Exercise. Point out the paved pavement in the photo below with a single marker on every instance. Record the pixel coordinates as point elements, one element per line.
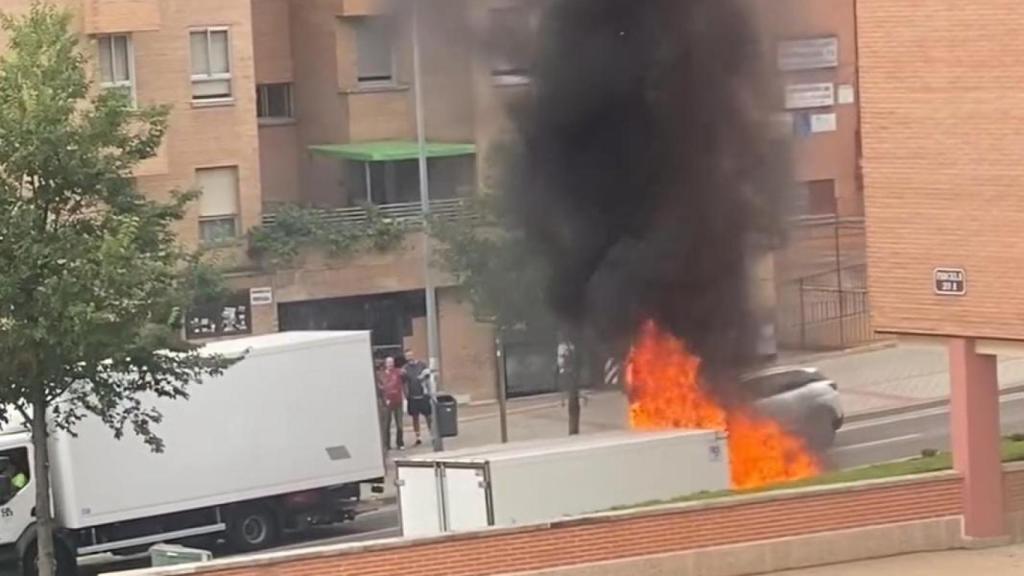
<point>883,377</point>
<point>877,379</point>
<point>993,562</point>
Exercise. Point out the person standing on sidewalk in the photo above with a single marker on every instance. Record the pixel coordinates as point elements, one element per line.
<point>417,393</point>
<point>393,388</point>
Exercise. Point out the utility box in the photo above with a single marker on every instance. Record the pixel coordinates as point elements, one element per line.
<point>169,555</point>
<point>529,482</point>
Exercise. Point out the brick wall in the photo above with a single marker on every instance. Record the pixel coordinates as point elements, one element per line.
<point>942,149</point>
<point>1013,484</point>
<point>626,535</point>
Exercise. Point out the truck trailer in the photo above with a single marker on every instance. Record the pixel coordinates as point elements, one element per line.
<point>541,481</point>
<point>282,440</point>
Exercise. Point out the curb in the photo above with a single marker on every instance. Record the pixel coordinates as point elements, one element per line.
<point>918,406</point>
<point>828,355</point>
<point>524,409</point>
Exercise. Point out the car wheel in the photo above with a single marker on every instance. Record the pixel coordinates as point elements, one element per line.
<point>252,528</point>
<point>821,430</point>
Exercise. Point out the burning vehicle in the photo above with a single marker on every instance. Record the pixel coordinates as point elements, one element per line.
<point>802,399</point>
<point>647,172</point>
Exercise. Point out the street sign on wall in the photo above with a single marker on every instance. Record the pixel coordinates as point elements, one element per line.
<point>808,54</point>
<point>232,318</point>
<point>817,95</point>
<point>950,282</point>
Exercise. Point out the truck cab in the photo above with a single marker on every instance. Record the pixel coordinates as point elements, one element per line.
<point>17,496</point>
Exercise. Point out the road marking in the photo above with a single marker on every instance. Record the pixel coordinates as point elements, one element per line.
<point>920,414</point>
<point>878,442</point>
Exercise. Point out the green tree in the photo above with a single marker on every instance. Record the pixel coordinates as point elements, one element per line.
<point>93,280</point>
<point>491,259</point>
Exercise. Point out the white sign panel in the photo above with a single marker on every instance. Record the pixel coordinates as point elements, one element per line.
<point>823,123</point>
<point>261,296</point>
<point>809,54</point>
<point>818,95</point>
<point>846,94</point>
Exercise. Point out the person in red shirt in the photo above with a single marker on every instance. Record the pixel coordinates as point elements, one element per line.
<point>392,386</point>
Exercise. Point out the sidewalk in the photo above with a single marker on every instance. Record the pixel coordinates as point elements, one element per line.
<point>870,380</point>
<point>991,562</point>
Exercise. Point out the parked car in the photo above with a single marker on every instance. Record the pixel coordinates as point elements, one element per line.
<point>802,399</point>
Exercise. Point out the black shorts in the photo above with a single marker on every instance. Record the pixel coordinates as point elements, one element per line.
<point>419,406</point>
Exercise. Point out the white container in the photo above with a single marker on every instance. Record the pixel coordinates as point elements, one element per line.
<point>298,413</point>
<point>541,481</point>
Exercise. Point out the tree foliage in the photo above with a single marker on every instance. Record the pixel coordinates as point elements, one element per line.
<point>94,282</point>
<point>278,245</point>
<point>490,258</point>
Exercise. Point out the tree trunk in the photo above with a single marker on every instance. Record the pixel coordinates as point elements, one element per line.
<point>46,559</point>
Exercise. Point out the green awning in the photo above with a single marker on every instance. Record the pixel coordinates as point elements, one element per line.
<point>393,150</point>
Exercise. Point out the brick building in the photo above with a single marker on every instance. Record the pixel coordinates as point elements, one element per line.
<point>942,166</point>
<point>310,102</point>
<point>820,274</point>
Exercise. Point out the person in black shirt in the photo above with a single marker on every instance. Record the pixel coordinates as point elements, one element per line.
<point>417,393</point>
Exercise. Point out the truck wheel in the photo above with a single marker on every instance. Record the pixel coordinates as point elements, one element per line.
<point>252,528</point>
<point>67,563</point>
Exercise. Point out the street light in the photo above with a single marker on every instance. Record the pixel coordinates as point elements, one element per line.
<point>428,280</point>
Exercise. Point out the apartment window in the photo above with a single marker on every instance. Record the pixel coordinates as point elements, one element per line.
<point>375,50</point>
<point>816,198</point>
<point>510,30</point>
<point>218,203</point>
<point>274,101</point>
<point>383,183</point>
<point>117,63</point>
<point>211,64</point>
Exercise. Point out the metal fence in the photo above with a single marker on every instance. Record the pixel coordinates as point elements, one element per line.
<point>410,212</point>
<point>821,244</point>
<point>826,311</point>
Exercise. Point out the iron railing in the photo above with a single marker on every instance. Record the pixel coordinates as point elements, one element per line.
<point>410,213</point>
<point>826,311</point>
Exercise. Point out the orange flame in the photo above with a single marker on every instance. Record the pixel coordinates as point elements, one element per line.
<point>663,382</point>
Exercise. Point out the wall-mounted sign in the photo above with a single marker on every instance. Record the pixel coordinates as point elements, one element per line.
<point>823,123</point>
<point>809,54</point>
<point>846,94</point>
<point>261,296</point>
<point>817,95</point>
<point>807,123</point>
<point>950,282</point>
<point>232,318</point>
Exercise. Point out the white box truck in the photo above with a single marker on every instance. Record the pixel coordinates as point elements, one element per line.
<point>282,440</point>
<point>541,481</point>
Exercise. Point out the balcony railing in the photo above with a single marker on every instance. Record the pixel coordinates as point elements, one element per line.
<point>409,213</point>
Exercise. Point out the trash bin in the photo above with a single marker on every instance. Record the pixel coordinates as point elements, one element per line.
<point>447,418</point>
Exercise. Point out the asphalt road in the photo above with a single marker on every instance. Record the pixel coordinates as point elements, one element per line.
<point>906,435</point>
<point>375,525</point>
<point>859,443</point>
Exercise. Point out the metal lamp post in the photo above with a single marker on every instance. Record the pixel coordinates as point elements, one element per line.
<point>433,335</point>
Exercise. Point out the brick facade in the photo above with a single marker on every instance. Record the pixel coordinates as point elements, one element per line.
<point>942,149</point>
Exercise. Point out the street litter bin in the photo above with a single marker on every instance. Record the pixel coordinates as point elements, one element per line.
<point>447,417</point>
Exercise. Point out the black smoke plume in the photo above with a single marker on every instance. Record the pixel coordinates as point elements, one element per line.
<point>645,171</point>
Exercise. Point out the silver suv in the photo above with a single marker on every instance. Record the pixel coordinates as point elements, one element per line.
<point>802,399</point>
